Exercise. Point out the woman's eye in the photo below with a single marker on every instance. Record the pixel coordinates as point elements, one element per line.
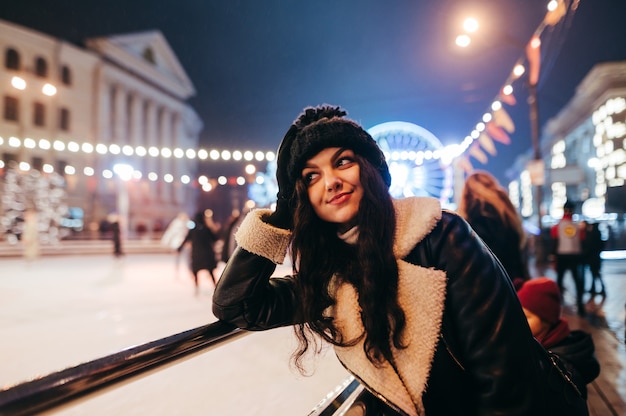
<point>309,177</point>
<point>345,160</point>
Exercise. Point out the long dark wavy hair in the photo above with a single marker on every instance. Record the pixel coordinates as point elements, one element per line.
<point>482,191</point>
<point>370,266</point>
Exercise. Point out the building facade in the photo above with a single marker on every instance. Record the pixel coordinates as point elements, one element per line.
<point>111,119</point>
<point>584,150</point>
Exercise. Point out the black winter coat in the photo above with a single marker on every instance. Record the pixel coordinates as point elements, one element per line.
<point>485,361</point>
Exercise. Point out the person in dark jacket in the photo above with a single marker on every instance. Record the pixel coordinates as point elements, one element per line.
<point>117,235</point>
<point>202,237</point>
<point>486,206</point>
<point>592,247</point>
<point>541,300</point>
<point>417,308</point>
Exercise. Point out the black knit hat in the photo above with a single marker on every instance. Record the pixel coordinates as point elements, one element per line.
<point>318,128</point>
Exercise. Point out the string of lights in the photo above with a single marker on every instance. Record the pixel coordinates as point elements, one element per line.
<point>445,155</point>
<point>142,152</point>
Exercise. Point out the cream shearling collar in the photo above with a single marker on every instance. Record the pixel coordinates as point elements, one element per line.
<point>415,218</point>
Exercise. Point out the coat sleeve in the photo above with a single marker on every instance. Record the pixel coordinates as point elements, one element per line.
<point>247,295</point>
<point>484,320</point>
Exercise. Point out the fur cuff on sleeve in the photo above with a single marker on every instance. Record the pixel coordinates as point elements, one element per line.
<point>261,238</point>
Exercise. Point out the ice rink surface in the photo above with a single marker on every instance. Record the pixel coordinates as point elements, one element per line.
<point>57,312</point>
<point>60,311</point>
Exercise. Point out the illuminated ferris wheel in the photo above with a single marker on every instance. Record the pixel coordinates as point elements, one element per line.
<point>414,158</point>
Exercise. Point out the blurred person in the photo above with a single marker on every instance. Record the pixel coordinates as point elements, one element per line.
<point>114,220</point>
<point>417,308</point>
<point>202,237</point>
<point>175,234</point>
<point>232,223</point>
<point>176,231</point>
<point>30,235</point>
<point>567,237</point>
<point>104,228</point>
<point>486,206</point>
<point>592,247</point>
<point>541,300</point>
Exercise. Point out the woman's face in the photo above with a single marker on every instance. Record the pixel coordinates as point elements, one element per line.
<point>334,186</point>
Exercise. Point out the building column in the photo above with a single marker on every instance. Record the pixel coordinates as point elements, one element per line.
<point>104,136</point>
<point>135,133</point>
<point>166,140</point>
<point>179,164</point>
<point>119,127</point>
<point>150,139</point>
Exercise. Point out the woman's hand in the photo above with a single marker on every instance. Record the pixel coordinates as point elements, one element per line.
<point>281,217</point>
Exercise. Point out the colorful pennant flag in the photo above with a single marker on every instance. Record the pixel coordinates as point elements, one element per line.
<point>507,98</point>
<point>533,53</point>
<point>497,133</point>
<point>464,164</point>
<point>477,153</point>
<point>502,119</point>
<point>554,16</point>
<point>487,144</point>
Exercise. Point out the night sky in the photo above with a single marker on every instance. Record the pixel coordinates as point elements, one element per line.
<point>256,64</point>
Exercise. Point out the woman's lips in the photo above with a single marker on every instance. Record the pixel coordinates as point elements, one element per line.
<point>340,198</point>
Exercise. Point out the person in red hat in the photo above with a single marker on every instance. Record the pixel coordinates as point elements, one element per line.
<point>541,301</point>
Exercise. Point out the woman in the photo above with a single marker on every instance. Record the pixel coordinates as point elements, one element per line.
<point>487,208</point>
<point>418,309</point>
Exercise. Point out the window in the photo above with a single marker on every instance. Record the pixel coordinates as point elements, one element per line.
<point>39,114</point>
<point>60,167</point>
<point>148,55</point>
<point>12,59</point>
<point>64,119</point>
<point>41,67</point>
<point>37,163</point>
<point>11,108</point>
<point>10,162</point>
<point>66,75</point>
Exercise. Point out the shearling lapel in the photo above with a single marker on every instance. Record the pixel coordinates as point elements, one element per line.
<point>415,218</point>
<point>421,294</point>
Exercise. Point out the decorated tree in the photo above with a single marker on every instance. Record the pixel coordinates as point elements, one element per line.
<point>42,193</point>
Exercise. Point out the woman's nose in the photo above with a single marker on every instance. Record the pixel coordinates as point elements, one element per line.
<point>333,183</point>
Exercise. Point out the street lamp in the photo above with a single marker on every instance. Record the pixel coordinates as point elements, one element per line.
<point>470,25</point>
<point>19,83</point>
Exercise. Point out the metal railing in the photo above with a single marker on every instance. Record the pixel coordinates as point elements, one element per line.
<point>62,387</point>
<point>57,388</point>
